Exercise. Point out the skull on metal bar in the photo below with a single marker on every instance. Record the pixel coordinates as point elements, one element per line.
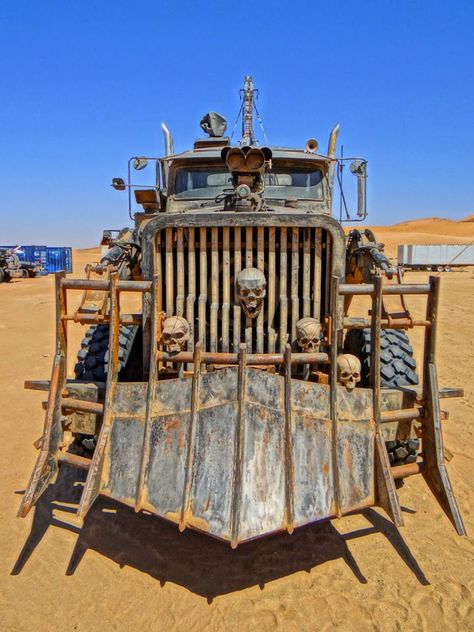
<point>348,370</point>
<point>251,290</point>
<point>175,333</point>
<point>308,334</point>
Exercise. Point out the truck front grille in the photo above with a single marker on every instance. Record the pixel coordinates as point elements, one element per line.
<point>197,267</point>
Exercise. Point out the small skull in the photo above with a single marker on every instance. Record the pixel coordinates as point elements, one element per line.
<point>251,290</point>
<point>308,334</point>
<point>175,333</point>
<point>348,370</point>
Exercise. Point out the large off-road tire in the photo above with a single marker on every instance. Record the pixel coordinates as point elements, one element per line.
<point>93,356</point>
<point>92,365</point>
<point>398,366</point>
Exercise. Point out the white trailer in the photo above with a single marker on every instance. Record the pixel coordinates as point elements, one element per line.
<point>423,256</point>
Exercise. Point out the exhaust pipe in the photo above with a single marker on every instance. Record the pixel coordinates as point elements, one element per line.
<point>169,144</point>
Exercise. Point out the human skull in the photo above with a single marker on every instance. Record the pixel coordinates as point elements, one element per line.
<point>251,290</point>
<point>348,370</point>
<point>308,334</point>
<point>175,333</point>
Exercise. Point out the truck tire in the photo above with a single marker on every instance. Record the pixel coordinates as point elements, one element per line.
<point>92,358</point>
<point>91,366</point>
<point>2,275</point>
<point>398,366</point>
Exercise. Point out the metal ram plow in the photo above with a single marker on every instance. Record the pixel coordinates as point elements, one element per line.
<point>235,451</point>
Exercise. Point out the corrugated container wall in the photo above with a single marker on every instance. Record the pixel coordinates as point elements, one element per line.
<point>59,258</point>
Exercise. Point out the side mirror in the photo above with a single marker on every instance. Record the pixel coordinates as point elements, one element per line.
<point>359,169</point>
<point>139,163</point>
<point>118,184</point>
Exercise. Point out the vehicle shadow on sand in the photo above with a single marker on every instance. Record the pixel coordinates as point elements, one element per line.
<point>201,564</point>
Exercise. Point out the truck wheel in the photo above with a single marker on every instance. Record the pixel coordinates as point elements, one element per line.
<point>92,362</point>
<point>398,366</point>
<point>2,275</point>
<point>92,358</point>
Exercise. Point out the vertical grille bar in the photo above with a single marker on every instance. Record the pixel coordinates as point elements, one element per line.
<point>237,269</point>
<point>283,288</point>
<point>214,286</point>
<point>159,274</point>
<point>191,296</point>
<point>317,274</point>
<point>225,287</point>
<point>307,272</point>
<point>249,247</point>
<point>271,288</point>
<point>260,266</point>
<point>202,285</point>
<point>180,273</point>
<point>169,273</point>
<point>248,264</point>
<point>295,264</point>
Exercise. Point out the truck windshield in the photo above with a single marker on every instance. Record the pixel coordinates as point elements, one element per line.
<point>280,183</point>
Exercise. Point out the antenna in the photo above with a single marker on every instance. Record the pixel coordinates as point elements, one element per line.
<point>247,111</point>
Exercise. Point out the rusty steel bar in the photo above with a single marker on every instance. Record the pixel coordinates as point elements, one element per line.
<point>271,288</point>
<point>93,482</point>
<point>158,272</point>
<point>37,385</point>
<point>248,264</point>
<point>236,501</point>
<point>191,295</point>
<point>368,288</point>
<point>334,305</point>
<point>295,270</point>
<point>202,302</point>
<point>169,283</point>
<point>75,460</point>
<point>81,405</point>
<point>153,374</point>
<point>180,294</point>
<point>385,484</point>
<point>289,470</point>
<point>317,274</point>
<point>261,359</point>
<point>89,284</point>
<point>237,268</point>
<point>307,272</point>
<point>283,288</point>
<point>385,323</point>
<point>191,437</point>
<point>402,471</point>
<point>125,319</point>
<point>260,266</point>
<point>214,287</point>
<point>400,415</point>
<point>225,287</point>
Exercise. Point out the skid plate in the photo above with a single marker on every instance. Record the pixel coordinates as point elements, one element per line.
<point>241,484</point>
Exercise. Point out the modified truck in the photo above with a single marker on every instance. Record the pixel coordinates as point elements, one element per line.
<point>250,392</point>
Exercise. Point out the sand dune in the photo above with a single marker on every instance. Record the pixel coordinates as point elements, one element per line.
<point>127,572</point>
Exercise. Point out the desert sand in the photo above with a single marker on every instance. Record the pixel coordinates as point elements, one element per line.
<point>137,573</point>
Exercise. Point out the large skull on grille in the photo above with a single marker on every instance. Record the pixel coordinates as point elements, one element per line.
<point>251,289</point>
<point>175,333</point>
<point>348,370</point>
<point>308,334</point>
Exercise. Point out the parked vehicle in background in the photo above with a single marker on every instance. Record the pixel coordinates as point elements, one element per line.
<point>435,256</point>
<point>12,267</point>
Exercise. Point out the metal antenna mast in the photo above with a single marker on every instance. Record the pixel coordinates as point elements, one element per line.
<point>247,112</point>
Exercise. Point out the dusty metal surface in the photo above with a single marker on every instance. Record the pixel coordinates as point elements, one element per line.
<point>254,442</point>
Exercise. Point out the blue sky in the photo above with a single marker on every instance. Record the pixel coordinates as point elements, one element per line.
<point>85,85</point>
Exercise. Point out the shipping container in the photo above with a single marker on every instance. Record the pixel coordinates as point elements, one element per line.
<point>435,255</point>
<point>58,258</point>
